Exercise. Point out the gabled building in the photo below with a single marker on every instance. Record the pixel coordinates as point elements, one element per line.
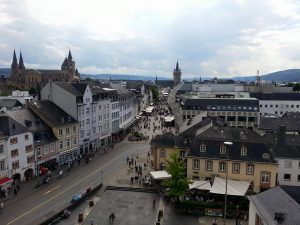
<point>279,205</point>
<point>45,143</point>
<point>5,180</point>
<point>64,128</point>
<point>95,107</point>
<point>18,148</point>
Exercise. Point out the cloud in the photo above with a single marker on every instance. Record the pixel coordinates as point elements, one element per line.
<point>223,38</point>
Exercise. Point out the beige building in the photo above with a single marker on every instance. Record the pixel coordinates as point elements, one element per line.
<point>206,155</point>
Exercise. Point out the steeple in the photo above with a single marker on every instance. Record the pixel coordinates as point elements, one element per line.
<point>156,78</point>
<point>177,67</point>
<point>15,61</point>
<point>21,63</point>
<point>70,58</point>
<point>65,64</point>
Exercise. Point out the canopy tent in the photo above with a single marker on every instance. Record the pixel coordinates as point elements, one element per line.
<point>160,175</point>
<point>169,119</point>
<point>237,188</point>
<point>149,109</point>
<point>200,185</point>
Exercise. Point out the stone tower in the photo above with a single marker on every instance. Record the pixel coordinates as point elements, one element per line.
<point>21,63</point>
<point>177,75</point>
<point>14,67</point>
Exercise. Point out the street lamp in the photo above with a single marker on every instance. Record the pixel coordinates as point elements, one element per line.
<point>226,143</point>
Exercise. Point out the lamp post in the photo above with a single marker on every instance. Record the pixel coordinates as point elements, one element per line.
<point>226,143</point>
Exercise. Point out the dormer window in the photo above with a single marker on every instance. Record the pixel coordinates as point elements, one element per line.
<point>243,150</point>
<point>222,149</point>
<point>203,147</point>
<point>185,141</point>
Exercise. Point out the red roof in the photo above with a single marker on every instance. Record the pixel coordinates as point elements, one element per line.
<point>5,180</point>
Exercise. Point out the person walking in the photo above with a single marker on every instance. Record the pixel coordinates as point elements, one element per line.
<point>153,203</point>
<point>1,207</point>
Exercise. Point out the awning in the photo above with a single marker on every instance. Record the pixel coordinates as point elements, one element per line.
<point>237,188</point>
<point>169,119</point>
<point>5,180</point>
<point>160,175</point>
<point>200,185</point>
<point>149,109</point>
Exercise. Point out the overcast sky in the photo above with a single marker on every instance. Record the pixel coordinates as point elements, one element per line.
<point>146,37</point>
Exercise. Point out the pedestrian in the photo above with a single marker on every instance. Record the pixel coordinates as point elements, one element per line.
<point>6,195</point>
<point>78,161</point>
<point>18,187</point>
<point>131,180</point>
<point>153,203</point>
<point>1,207</point>
<point>92,222</point>
<point>214,222</point>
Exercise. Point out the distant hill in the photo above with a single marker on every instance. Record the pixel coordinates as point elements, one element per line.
<point>291,75</point>
<point>121,77</point>
<point>5,71</point>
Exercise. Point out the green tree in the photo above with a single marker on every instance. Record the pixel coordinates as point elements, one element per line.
<point>32,91</point>
<point>178,184</point>
<point>154,91</point>
<point>296,87</point>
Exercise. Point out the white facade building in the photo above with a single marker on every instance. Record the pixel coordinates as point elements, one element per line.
<point>288,171</point>
<point>4,176</point>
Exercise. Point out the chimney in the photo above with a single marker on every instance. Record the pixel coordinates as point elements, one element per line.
<point>281,135</point>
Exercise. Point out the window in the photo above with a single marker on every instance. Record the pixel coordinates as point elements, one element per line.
<point>13,141</point>
<point>87,99</point>
<point>74,141</point>
<point>208,165</point>
<point>52,149</point>
<point>82,112</point>
<point>250,169</point>
<point>265,177</point>
<point>87,110</point>
<point>68,143</point>
<point>74,129</point>
<point>287,163</point>
<point>14,153</point>
<point>94,130</point>
<point>235,167</point>
<point>15,165</point>
<point>26,137</point>
<point>203,148</point>
<point>298,178</point>
<point>298,165</point>
<point>163,153</point>
<point>196,164</point>
<point>276,106</point>
<point>60,132</point>
<point>287,177</point>
<point>87,122</point>
<point>243,150</point>
<point>38,152</point>
<point>88,133</point>
<point>1,149</point>
<point>28,148</point>
<point>30,159</point>
<point>222,166</point>
<point>223,149</point>
<point>2,165</point>
<point>61,145</point>
<point>67,131</point>
<point>182,154</point>
<point>82,123</point>
<point>82,134</point>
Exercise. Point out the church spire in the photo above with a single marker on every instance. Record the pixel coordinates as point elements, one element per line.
<point>156,78</point>
<point>70,58</point>
<point>15,61</point>
<point>21,63</point>
<point>177,66</point>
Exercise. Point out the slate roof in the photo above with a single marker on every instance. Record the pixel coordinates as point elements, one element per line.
<point>276,96</point>
<point>120,89</point>
<point>10,127</point>
<point>291,114</point>
<point>76,89</point>
<point>224,104</point>
<point>272,123</point>
<point>293,191</point>
<point>288,147</point>
<point>168,140</point>
<point>53,113</point>
<point>164,83</point>
<point>196,124</point>
<point>215,136</point>
<point>10,103</point>
<point>46,72</point>
<point>186,87</point>
<point>275,200</point>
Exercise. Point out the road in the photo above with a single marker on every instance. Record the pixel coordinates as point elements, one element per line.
<point>38,205</point>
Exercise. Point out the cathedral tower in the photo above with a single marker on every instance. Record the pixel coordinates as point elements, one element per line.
<point>177,75</point>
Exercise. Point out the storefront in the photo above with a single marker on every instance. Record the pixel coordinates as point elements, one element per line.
<point>5,183</point>
<point>67,156</point>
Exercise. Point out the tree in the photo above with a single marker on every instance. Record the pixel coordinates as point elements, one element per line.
<point>154,92</point>
<point>32,91</point>
<point>178,184</point>
<point>296,87</point>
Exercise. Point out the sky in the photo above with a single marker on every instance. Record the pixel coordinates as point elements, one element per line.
<point>222,38</point>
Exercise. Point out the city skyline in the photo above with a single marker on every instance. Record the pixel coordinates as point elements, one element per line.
<point>147,38</point>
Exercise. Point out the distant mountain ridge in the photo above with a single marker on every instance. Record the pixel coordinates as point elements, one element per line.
<point>291,75</point>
